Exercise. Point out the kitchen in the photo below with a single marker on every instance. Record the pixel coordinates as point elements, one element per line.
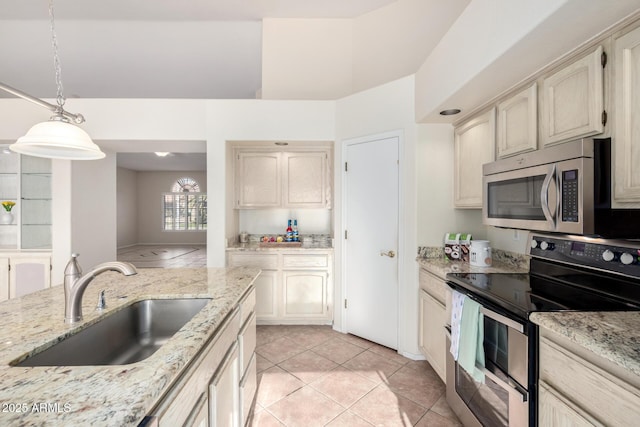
<point>398,104</point>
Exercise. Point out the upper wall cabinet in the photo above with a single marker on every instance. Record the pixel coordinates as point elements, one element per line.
<point>269,179</point>
<point>474,145</point>
<point>572,100</point>
<point>627,120</point>
<point>518,123</point>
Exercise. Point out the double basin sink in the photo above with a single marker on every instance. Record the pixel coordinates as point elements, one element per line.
<point>129,335</point>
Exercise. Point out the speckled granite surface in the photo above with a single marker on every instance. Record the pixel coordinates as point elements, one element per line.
<point>255,247</point>
<point>441,266</point>
<point>615,336</point>
<point>105,395</point>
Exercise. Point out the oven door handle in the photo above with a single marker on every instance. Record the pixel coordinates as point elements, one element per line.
<point>502,319</point>
<point>544,196</point>
<point>508,385</point>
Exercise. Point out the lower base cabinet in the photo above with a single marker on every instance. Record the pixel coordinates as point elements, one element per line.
<point>219,388</point>
<point>433,318</point>
<point>23,273</point>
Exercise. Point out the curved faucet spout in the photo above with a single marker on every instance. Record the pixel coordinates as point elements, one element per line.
<point>75,284</point>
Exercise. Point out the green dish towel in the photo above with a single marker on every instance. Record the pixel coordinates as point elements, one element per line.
<point>471,351</point>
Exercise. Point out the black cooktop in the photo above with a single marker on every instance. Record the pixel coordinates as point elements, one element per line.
<point>550,287</point>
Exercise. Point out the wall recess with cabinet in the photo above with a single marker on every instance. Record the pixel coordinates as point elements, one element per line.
<point>25,234</point>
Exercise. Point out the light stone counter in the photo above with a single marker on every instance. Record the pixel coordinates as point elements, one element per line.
<point>440,266</point>
<point>255,247</point>
<point>614,336</point>
<point>106,395</point>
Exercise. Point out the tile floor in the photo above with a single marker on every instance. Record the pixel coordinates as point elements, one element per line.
<point>314,376</point>
<point>156,256</point>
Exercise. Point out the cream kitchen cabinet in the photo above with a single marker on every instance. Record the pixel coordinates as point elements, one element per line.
<point>474,145</point>
<point>295,287</point>
<point>627,116</point>
<point>270,179</point>
<point>433,318</point>
<point>573,100</point>
<point>517,123</point>
<point>578,387</point>
<point>22,273</point>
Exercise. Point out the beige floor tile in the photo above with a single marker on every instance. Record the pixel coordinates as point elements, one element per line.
<point>373,366</point>
<point>441,407</point>
<point>338,350</point>
<point>348,419</point>
<point>274,384</point>
<point>264,419</point>
<point>389,354</point>
<point>344,386</point>
<point>310,336</point>
<point>382,407</point>
<point>279,350</point>
<point>422,387</point>
<point>262,364</point>
<point>360,342</point>
<point>305,408</point>
<point>432,419</point>
<point>308,366</point>
<point>269,333</point>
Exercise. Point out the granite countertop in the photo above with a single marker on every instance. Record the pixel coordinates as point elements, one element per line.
<point>614,336</point>
<point>255,247</point>
<point>508,263</point>
<point>106,395</point>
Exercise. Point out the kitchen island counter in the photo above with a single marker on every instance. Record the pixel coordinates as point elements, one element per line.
<point>106,395</point>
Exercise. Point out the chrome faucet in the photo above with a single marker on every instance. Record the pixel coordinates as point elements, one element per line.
<point>75,284</point>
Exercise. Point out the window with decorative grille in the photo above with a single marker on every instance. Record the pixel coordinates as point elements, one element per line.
<point>185,207</point>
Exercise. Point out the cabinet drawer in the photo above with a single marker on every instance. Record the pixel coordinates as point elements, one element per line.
<point>305,260</point>
<point>433,285</point>
<point>269,261</point>
<point>589,387</point>
<point>247,305</point>
<point>247,341</point>
<point>186,397</point>
<point>248,387</point>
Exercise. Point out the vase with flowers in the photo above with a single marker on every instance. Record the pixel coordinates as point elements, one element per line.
<point>7,217</point>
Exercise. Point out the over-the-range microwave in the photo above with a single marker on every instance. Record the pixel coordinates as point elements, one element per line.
<point>563,189</point>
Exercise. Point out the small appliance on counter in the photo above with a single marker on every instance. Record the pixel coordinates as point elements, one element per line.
<point>480,253</point>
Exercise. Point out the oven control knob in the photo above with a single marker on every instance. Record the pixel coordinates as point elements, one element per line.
<point>608,255</point>
<point>534,243</point>
<point>626,258</point>
<point>546,246</point>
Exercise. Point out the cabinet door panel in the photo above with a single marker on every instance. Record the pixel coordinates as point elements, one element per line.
<point>267,294</point>
<point>518,123</point>
<point>305,294</point>
<point>627,122</point>
<point>573,100</point>
<point>248,387</point>
<point>258,180</point>
<point>305,179</point>
<point>4,279</point>
<point>474,145</point>
<point>269,262</point>
<point>556,411</point>
<point>29,274</point>
<point>432,340</point>
<point>224,392</point>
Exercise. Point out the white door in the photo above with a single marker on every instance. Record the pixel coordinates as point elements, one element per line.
<point>371,224</point>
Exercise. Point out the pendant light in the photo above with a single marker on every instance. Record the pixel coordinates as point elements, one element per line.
<point>57,138</point>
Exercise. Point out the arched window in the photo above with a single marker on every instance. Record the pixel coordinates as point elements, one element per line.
<point>185,207</point>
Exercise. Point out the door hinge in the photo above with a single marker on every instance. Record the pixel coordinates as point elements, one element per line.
<point>603,59</point>
<point>604,117</point>
<point>345,303</point>
<point>346,168</point>
<point>345,235</point>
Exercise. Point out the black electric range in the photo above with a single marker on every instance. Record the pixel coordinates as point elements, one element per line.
<point>566,273</point>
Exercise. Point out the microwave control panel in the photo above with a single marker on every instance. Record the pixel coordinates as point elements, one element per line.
<point>570,195</point>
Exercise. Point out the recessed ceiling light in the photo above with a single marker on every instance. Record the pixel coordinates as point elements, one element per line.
<point>450,112</point>
<point>162,153</point>
<point>282,143</point>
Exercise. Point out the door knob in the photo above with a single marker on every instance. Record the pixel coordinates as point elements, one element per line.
<point>390,254</point>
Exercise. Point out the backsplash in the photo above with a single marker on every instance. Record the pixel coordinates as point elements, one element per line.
<point>515,260</point>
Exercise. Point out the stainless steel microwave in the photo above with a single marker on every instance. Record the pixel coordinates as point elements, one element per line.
<point>563,189</point>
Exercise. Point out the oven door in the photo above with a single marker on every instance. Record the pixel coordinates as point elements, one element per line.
<point>503,399</point>
<point>550,197</point>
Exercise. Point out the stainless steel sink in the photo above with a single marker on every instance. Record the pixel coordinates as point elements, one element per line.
<point>129,335</point>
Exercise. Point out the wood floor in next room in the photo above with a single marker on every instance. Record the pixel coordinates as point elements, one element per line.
<point>164,256</point>
<point>314,376</point>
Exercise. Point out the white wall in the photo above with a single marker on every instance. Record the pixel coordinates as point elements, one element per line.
<point>127,207</point>
<point>150,186</point>
<point>274,221</point>
<point>434,175</point>
<point>380,110</point>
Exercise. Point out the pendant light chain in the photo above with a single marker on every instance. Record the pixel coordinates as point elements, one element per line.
<point>56,60</point>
